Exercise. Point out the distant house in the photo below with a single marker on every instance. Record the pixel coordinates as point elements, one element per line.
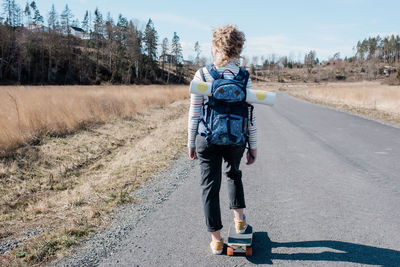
<point>387,70</point>
<point>78,32</point>
<point>38,28</point>
<point>170,58</point>
<point>258,67</point>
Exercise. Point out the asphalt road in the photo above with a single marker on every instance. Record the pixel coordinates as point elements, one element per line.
<point>324,191</point>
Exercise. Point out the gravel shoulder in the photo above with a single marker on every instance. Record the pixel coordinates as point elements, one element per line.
<point>150,198</point>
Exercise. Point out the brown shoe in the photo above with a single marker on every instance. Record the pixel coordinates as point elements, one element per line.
<point>241,225</point>
<point>217,246</point>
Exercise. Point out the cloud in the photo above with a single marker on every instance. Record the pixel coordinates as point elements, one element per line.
<point>382,34</point>
<point>188,50</point>
<point>175,19</point>
<point>270,44</point>
<point>374,21</point>
<point>282,45</point>
<point>336,27</point>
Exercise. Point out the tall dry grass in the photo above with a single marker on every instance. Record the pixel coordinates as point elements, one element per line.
<point>366,95</point>
<point>29,112</point>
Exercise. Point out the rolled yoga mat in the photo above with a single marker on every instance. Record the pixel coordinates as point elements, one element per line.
<point>253,96</point>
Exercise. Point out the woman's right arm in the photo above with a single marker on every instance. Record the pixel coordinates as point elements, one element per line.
<point>252,132</point>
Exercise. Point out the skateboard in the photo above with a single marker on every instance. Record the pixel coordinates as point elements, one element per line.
<point>240,243</point>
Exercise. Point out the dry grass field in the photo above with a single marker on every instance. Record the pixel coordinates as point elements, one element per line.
<point>371,99</point>
<point>57,191</point>
<point>30,112</point>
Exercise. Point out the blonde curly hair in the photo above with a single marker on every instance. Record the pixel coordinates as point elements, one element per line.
<point>229,41</point>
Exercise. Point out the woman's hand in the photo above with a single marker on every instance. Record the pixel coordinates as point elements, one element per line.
<point>251,160</point>
<point>192,153</point>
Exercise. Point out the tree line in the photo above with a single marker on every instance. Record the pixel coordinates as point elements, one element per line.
<point>62,49</point>
<point>378,49</point>
<point>386,49</point>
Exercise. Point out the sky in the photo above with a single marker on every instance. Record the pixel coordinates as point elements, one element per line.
<point>290,28</point>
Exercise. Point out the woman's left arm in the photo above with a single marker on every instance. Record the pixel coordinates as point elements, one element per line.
<point>196,102</point>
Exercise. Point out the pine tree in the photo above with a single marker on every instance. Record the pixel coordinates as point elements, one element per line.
<point>52,18</point>
<point>52,22</point>
<point>85,24</point>
<point>76,23</point>
<point>66,20</point>
<point>37,18</point>
<point>197,51</point>
<point>109,26</point>
<point>150,40</point>
<point>28,13</point>
<point>8,6</point>
<point>17,16</point>
<point>176,50</point>
<point>12,13</point>
<point>120,56</point>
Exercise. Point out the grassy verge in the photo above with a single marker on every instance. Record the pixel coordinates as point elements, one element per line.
<point>57,193</point>
<point>30,112</point>
<point>370,99</point>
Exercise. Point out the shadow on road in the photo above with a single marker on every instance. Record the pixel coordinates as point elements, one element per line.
<point>350,252</point>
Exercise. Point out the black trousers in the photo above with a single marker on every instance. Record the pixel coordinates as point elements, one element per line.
<point>210,159</point>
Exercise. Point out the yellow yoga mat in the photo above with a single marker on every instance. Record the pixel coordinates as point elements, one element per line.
<point>253,96</point>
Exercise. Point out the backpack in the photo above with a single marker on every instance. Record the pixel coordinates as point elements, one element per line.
<point>224,117</point>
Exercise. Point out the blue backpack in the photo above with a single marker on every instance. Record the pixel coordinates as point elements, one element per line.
<point>224,117</point>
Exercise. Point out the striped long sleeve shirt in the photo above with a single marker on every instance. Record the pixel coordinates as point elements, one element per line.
<point>196,102</point>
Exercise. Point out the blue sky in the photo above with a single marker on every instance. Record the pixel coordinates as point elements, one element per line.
<point>272,27</point>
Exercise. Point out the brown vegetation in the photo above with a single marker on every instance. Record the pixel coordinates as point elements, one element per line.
<point>333,71</point>
<point>32,112</point>
<point>60,191</point>
<point>371,99</point>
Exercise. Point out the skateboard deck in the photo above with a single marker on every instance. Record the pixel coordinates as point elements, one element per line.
<point>240,243</point>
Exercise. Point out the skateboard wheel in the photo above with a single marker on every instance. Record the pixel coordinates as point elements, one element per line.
<point>230,251</point>
<point>249,251</point>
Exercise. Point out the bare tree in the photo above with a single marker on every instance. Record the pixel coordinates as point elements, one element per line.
<point>98,32</point>
<point>133,50</point>
<point>66,20</point>
<point>164,52</point>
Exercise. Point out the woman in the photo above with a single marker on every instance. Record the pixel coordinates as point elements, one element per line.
<point>227,45</point>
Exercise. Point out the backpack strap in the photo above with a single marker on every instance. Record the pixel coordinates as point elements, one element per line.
<point>251,113</point>
<point>243,75</point>
<point>213,72</point>
<point>203,77</point>
<point>204,104</point>
<point>222,75</point>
